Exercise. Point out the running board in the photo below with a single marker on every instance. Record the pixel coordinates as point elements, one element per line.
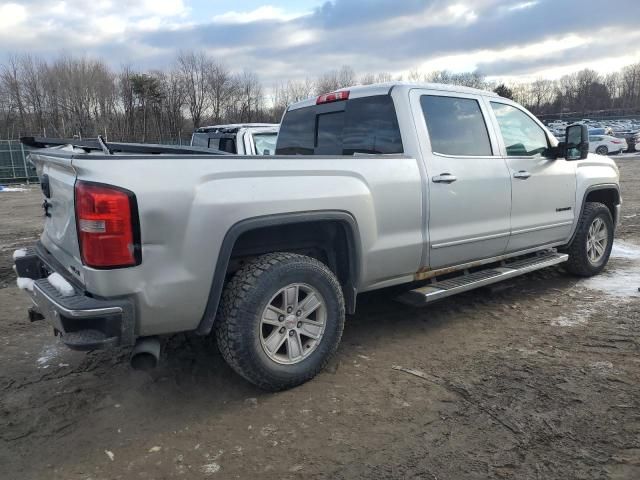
<point>445,288</point>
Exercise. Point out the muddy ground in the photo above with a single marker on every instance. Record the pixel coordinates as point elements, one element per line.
<point>537,379</point>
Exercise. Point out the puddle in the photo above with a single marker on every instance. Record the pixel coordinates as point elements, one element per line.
<point>621,278</point>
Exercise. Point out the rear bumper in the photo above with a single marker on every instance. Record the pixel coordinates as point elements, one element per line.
<point>82,321</point>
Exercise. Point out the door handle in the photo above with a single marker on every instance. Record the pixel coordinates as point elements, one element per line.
<point>522,175</point>
<point>444,178</point>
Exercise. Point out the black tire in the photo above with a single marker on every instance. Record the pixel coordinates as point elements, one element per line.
<point>602,150</point>
<point>579,262</point>
<point>238,323</point>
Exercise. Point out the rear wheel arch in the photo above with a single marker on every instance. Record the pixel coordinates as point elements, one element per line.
<point>337,245</point>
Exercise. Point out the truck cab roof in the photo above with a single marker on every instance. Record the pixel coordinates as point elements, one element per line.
<point>359,91</point>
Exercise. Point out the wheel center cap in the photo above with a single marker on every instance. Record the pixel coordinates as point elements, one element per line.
<point>290,321</point>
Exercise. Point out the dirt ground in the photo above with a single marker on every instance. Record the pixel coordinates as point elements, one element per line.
<point>537,379</point>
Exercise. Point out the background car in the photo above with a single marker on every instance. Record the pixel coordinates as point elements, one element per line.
<point>606,144</point>
<point>241,139</point>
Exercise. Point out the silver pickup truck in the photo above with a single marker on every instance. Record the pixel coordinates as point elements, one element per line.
<point>438,187</point>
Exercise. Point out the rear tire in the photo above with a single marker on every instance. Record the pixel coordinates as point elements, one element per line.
<point>602,150</point>
<point>280,320</point>
<point>590,248</point>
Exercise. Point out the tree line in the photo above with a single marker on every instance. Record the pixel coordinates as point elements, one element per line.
<point>70,96</point>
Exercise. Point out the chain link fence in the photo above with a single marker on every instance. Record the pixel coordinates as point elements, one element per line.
<point>14,164</point>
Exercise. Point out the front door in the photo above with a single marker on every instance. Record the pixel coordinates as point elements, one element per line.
<point>543,189</point>
<point>468,184</point>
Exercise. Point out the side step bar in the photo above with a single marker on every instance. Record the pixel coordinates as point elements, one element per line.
<point>445,288</point>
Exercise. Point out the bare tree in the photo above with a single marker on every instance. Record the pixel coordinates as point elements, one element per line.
<point>335,79</point>
<point>221,85</point>
<point>542,92</point>
<point>195,68</point>
<point>174,100</point>
<point>12,84</point>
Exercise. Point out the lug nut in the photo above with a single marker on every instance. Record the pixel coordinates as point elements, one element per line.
<point>282,329</point>
<point>291,332</point>
<point>289,309</point>
<point>299,324</point>
<point>298,313</point>
<point>281,318</point>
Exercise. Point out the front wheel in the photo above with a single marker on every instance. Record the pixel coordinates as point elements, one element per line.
<point>591,246</point>
<point>280,320</point>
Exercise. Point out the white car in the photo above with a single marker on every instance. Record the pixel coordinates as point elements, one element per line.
<point>606,144</point>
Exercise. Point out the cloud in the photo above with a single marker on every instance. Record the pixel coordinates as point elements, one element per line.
<point>12,15</point>
<point>266,12</point>
<point>499,37</point>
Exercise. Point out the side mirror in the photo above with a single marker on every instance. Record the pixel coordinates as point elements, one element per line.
<point>576,142</point>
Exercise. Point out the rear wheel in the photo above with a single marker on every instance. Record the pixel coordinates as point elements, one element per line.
<point>280,320</point>
<point>602,150</point>
<point>591,246</point>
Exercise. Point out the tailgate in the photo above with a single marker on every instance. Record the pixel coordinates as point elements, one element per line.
<point>60,238</point>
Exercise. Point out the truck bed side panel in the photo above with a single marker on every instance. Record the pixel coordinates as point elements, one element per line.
<point>188,204</point>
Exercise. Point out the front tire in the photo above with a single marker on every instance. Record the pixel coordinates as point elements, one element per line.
<point>590,248</point>
<point>280,320</point>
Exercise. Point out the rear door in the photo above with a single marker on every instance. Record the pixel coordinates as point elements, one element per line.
<point>543,188</point>
<point>468,184</point>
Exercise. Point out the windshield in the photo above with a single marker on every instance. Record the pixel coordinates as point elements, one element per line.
<point>265,143</point>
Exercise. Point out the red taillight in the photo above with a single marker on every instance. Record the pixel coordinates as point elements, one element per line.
<point>616,141</point>
<point>333,97</point>
<point>107,230</point>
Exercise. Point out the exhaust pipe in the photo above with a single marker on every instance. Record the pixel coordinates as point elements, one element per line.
<point>145,353</point>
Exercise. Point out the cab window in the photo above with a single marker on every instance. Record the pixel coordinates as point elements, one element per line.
<point>360,125</point>
<point>456,126</point>
<point>522,135</point>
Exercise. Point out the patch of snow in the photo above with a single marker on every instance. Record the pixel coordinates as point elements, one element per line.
<point>602,366</point>
<point>109,454</point>
<point>21,252</point>
<point>155,449</point>
<point>619,282</point>
<point>563,321</point>
<point>625,250</point>
<point>59,283</point>
<point>622,277</point>
<point>25,283</point>
<point>210,468</point>
<point>12,189</point>
<point>48,353</point>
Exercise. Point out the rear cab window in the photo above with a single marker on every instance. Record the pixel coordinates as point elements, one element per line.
<point>361,125</point>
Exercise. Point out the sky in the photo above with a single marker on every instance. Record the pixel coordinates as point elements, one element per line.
<point>287,39</point>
